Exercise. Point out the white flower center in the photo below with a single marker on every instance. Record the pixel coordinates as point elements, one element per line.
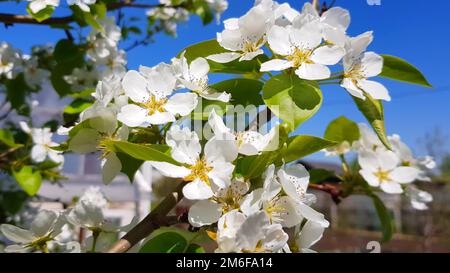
<point>199,170</point>
<point>300,56</point>
<point>154,105</point>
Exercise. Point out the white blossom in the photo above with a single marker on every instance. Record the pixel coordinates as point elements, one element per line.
<point>301,49</point>
<point>204,174</point>
<point>82,4</point>
<point>38,5</point>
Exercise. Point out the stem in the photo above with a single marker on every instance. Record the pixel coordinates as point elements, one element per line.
<point>151,222</point>
<point>95,234</point>
<point>345,165</point>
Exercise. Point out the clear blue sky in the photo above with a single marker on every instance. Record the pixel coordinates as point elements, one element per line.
<point>417,31</point>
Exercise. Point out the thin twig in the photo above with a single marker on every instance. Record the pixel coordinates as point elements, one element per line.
<point>154,220</point>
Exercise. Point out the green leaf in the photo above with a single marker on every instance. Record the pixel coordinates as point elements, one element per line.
<point>168,242</point>
<point>243,91</point>
<point>397,69</point>
<point>303,145</point>
<point>342,129</point>
<point>253,166</point>
<point>317,176</point>
<point>99,9</point>
<point>292,99</point>
<point>210,47</point>
<point>12,201</point>
<point>8,139</point>
<point>194,248</point>
<point>16,92</point>
<point>130,165</point>
<point>77,106</point>
<point>153,152</point>
<point>203,10</point>
<point>29,180</point>
<point>43,14</point>
<point>373,111</point>
<point>386,220</point>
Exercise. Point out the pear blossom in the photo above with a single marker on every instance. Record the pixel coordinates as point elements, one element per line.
<point>368,139</point>
<point>245,36</point>
<point>38,5</point>
<point>284,197</point>
<point>44,228</point>
<point>42,148</point>
<point>380,168</point>
<point>283,13</point>
<point>206,212</point>
<point>34,75</point>
<point>340,149</point>
<point>80,79</point>
<point>194,76</point>
<point>301,50</point>
<point>10,59</point>
<point>204,173</point>
<point>227,228</point>
<point>168,17</point>
<point>219,6</point>
<point>151,91</point>
<point>305,237</point>
<point>418,198</point>
<point>248,142</point>
<point>407,158</point>
<point>88,212</point>
<point>333,22</point>
<point>82,4</point>
<point>257,234</point>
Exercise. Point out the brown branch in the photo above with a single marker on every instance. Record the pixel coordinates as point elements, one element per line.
<point>10,19</point>
<point>332,189</point>
<point>154,220</point>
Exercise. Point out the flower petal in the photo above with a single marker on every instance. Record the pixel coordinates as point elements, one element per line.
<point>197,190</point>
<point>135,86</point>
<point>182,103</point>
<point>170,170</point>
<point>204,212</point>
<point>313,71</point>
<point>375,89</point>
<point>275,65</point>
<point>16,234</point>
<point>224,57</point>
<point>404,174</point>
<point>133,115</point>
<point>327,55</point>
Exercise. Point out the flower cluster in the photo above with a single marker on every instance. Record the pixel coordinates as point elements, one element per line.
<point>306,43</point>
<point>39,5</point>
<point>54,230</point>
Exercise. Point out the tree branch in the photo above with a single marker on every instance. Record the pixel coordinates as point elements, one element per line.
<point>332,189</point>
<point>154,220</point>
<point>10,19</point>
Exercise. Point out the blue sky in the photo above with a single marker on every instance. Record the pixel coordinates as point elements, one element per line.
<point>413,30</point>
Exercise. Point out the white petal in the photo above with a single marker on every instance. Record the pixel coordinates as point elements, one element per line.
<point>327,55</point>
<point>371,64</point>
<point>252,231</point>
<point>170,170</point>
<point>204,213</point>
<point>307,37</point>
<point>43,222</point>
<point>370,178</point>
<point>16,234</point>
<point>38,153</point>
<point>230,39</point>
<point>404,174</point>
<point>224,57</point>
<point>133,115</point>
<point>221,173</point>
<point>135,86</point>
<point>313,72</point>
<point>251,55</point>
<point>312,215</point>
<point>219,96</point>
<point>217,148</point>
<point>311,233</point>
<point>199,68</point>
<point>217,125</point>
<point>375,89</point>
<point>391,187</point>
<point>182,103</point>
<point>37,6</point>
<point>278,39</point>
<point>294,181</point>
<point>111,167</point>
<point>159,118</point>
<point>275,65</point>
<point>289,216</point>
<point>387,160</point>
<point>197,190</point>
<point>350,86</point>
<point>251,203</point>
<point>336,17</point>
<point>335,36</point>
<point>368,160</point>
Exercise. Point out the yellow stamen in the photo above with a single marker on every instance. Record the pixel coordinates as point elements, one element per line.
<point>199,170</point>
<point>383,176</point>
<point>300,57</point>
<point>154,105</point>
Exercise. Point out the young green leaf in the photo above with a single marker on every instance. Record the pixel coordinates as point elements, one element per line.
<point>168,242</point>
<point>397,69</point>
<point>153,152</point>
<point>342,129</point>
<point>43,14</point>
<point>303,145</point>
<point>243,91</point>
<point>386,220</point>
<point>29,180</point>
<point>373,111</point>
<point>7,138</point>
<point>210,47</point>
<point>292,99</point>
